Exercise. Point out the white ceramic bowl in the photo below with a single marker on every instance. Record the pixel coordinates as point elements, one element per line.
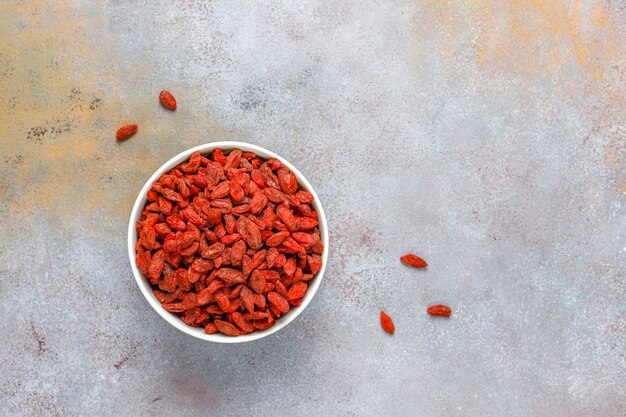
<point>144,285</point>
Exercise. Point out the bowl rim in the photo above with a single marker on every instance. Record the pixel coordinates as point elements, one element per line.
<point>145,286</point>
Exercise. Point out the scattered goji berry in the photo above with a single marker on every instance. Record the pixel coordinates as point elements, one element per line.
<point>167,100</point>
<point>125,132</point>
<point>387,323</point>
<point>439,310</point>
<point>413,260</point>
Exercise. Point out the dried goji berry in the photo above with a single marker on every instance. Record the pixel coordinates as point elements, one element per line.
<point>143,262</point>
<point>241,209</point>
<point>297,290</point>
<point>125,132</point>
<point>230,223</point>
<point>175,222</point>
<point>263,324</point>
<point>278,301</point>
<point>387,323</point>
<point>148,237</point>
<point>226,328</point>
<point>230,275</point>
<point>214,250</point>
<point>230,239</point>
<point>270,179</point>
<point>305,223</point>
<point>222,300</point>
<point>190,250</point>
<point>172,195</point>
<point>215,285</point>
<point>317,247</point>
<point>210,328</point>
<point>162,229</point>
<point>296,302</point>
<point>214,310</point>
<point>168,283</point>
<point>234,157</point>
<point>315,263</point>
<point>192,216</point>
<point>259,301</point>
<point>153,207</point>
<point>297,276</point>
<point>413,260</point>
<point>218,156</point>
<point>247,299</point>
<point>234,293</point>
<point>167,100</point>
<point>202,265</point>
<point>277,238</point>
<point>304,197</point>
<point>205,296</point>
<point>257,177</point>
<point>304,239</point>
<point>280,261</point>
<point>156,265</point>
<point>269,217</point>
<point>242,322</point>
<point>195,160</point>
<point>182,186</point>
<point>257,281</point>
<point>290,267</point>
<point>236,192</point>
<point>274,164</point>
<point>237,253</point>
<point>274,195</point>
<point>174,307</point>
<point>291,246</point>
<point>152,196</point>
<point>439,310</point>
<point>249,232</point>
<point>221,190</point>
<point>287,181</point>
<point>185,239</point>
<point>258,202</point>
<point>286,216</point>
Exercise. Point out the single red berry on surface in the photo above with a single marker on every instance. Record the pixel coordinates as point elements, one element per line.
<point>167,100</point>
<point>387,323</point>
<point>125,132</point>
<point>413,260</point>
<point>439,310</point>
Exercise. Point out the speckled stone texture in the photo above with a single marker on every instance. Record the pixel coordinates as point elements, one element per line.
<point>487,136</point>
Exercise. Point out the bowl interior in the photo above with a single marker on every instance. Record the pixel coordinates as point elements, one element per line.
<point>144,285</point>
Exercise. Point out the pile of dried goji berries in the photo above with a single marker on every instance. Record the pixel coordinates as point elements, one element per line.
<point>229,241</point>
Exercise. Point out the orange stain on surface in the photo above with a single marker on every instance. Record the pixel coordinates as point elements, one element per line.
<point>543,35</point>
<point>63,103</point>
<point>526,37</point>
<point>52,147</point>
<point>579,47</point>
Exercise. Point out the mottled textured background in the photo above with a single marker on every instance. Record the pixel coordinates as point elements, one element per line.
<point>487,136</point>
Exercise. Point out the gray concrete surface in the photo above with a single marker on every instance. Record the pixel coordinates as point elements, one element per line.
<point>487,136</point>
